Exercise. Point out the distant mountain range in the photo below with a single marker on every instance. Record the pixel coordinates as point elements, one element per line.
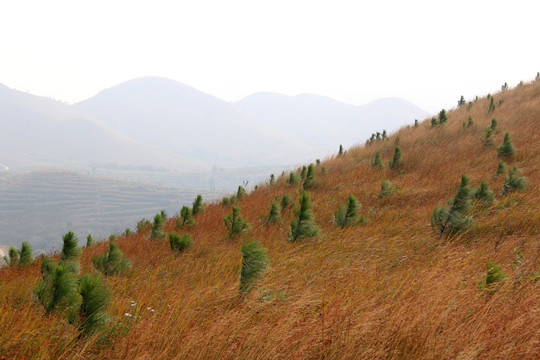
<point>159,123</point>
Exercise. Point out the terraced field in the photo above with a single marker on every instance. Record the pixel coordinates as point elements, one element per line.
<point>39,207</point>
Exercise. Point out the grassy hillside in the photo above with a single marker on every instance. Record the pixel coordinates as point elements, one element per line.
<point>387,289</point>
<point>39,207</point>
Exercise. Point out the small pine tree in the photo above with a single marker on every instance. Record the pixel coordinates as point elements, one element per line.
<point>179,243</point>
<point>347,215</point>
<point>416,123</point>
<point>303,226</point>
<point>309,181</point>
<point>386,189</point>
<point>484,195</point>
<point>504,87</point>
<point>454,218</point>
<point>58,289</point>
<point>494,124</point>
<point>443,118</point>
<point>293,179</point>
<point>90,241</point>
<point>225,201</point>
<point>501,169</point>
<point>25,255</point>
<point>241,192</point>
<point>340,152</point>
<point>461,101</point>
<point>513,183</point>
<point>494,276</point>
<point>274,213</point>
<point>198,205</point>
<point>470,122</point>
<point>384,135</point>
<point>285,201</point>
<point>13,257</point>
<point>164,216</point>
<point>157,228</point>
<point>143,225</point>
<point>185,219</point>
<point>507,148</point>
<point>272,179</point>
<point>377,161</point>
<point>95,298</point>
<point>235,223</point>
<point>434,122</point>
<point>395,162</point>
<point>491,104</point>
<point>254,264</point>
<point>112,262</point>
<point>303,173</point>
<point>70,250</point>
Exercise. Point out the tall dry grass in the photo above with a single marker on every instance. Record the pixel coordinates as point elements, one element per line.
<point>388,289</point>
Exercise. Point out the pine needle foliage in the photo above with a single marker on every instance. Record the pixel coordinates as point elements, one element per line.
<point>13,257</point>
<point>112,262</point>
<point>241,192</point>
<point>303,226</point>
<point>514,183</point>
<point>484,195</point>
<point>501,169</point>
<point>89,241</point>
<point>198,205</point>
<point>157,228</point>
<point>254,264</point>
<point>386,189</point>
<point>454,218</point>
<point>494,277</point>
<point>235,223</point>
<point>70,249</point>
<point>347,215</point>
<point>395,162</point>
<point>285,201</point>
<point>377,161</point>
<point>143,225</point>
<point>180,243</point>
<point>443,117</point>
<point>309,181</point>
<point>58,289</point>
<point>95,299</point>
<point>293,179</point>
<point>185,219</point>
<point>340,152</point>
<point>303,173</point>
<point>507,148</point>
<point>274,213</point>
<point>25,255</point>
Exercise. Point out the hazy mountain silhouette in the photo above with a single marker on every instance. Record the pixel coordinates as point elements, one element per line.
<point>324,122</point>
<point>38,132</point>
<point>184,120</point>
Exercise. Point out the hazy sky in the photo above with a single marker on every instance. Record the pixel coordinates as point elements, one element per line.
<point>428,52</point>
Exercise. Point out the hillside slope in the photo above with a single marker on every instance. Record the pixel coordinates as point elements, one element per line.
<point>38,132</point>
<point>387,289</point>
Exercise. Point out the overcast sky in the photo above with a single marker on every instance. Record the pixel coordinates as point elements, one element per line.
<point>428,52</point>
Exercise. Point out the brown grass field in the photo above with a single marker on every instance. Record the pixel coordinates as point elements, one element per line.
<point>387,289</point>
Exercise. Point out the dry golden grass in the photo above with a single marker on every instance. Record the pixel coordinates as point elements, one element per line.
<point>389,289</point>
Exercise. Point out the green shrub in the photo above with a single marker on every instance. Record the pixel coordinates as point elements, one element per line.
<point>274,213</point>
<point>416,123</point>
<point>309,181</point>
<point>494,276</point>
<point>501,169</point>
<point>225,201</point>
<point>434,122</point>
<point>272,179</point>
<point>241,192</point>
<point>454,218</point>
<point>112,262</point>
<point>491,104</point>
<point>13,257</point>
<point>164,215</point>
<point>514,183</point>
<point>347,215</point>
<point>484,195</point>
<point>395,162</point>
<point>340,152</point>
<point>285,201</point>
<point>303,172</point>
<point>443,118</point>
<point>89,241</point>
<point>254,264</point>
<point>25,255</point>
<point>198,205</point>
<point>95,298</point>
<point>235,223</point>
<point>157,228</point>
<point>143,225</point>
<point>293,179</point>
<point>303,226</point>
<point>179,243</point>
<point>185,219</point>
<point>377,161</point>
<point>461,101</point>
<point>70,250</point>
<point>386,189</point>
<point>507,148</point>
